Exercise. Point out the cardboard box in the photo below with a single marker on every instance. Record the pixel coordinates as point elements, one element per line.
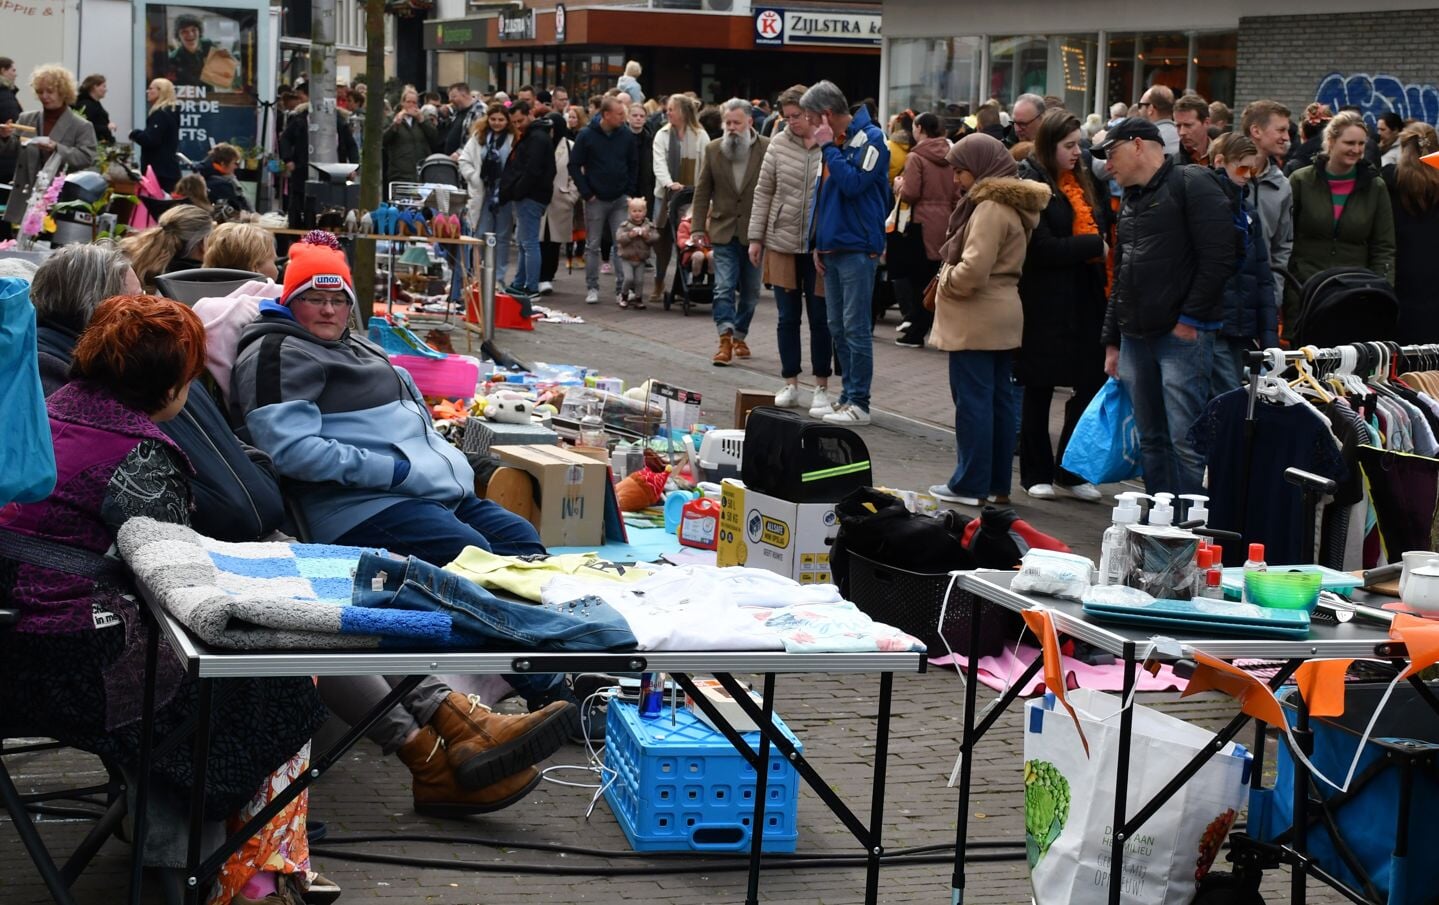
<point>745,401</point>
<point>765,532</point>
<point>571,510</point>
<point>727,706</point>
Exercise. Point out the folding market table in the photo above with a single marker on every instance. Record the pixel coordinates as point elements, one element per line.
<point>205,664</point>
<point>1133,645</point>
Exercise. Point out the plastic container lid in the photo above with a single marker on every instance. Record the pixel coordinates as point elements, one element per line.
<point>1212,578</point>
<point>1256,552</point>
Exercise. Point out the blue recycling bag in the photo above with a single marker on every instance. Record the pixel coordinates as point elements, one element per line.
<point>1104,447</point>
<point>27,458</point>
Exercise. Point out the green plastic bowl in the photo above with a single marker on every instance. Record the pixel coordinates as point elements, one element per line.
<point>1280,590</point>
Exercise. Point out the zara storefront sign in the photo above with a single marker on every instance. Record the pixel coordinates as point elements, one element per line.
<point>774,27</point>
<point>517,25</point>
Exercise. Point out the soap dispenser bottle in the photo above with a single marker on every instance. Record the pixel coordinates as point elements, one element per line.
<point>1161,514</point>
<point>1198,508</point>
<point>1112,564</point>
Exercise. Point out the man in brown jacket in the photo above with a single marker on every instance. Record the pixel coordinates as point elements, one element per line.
<point>723,198</point>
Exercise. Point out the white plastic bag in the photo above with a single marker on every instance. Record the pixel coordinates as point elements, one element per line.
<point>1069,803</point>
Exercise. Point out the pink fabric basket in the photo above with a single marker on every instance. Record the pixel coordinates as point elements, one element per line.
<point>451,377</point>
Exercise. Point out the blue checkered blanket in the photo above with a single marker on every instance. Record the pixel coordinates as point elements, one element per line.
<point>265,595</point>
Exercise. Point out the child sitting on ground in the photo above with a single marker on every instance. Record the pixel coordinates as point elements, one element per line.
<point>696,253</point>
<point>633,241</point>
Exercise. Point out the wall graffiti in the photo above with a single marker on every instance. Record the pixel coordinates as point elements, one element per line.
<point>1376,95</point>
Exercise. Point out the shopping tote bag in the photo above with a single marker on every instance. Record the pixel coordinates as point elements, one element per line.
<point>27,460</point>
<point>1069,802</point>
<point>1104,447</point>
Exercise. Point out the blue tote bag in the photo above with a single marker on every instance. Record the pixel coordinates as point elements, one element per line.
<point>27,459</point>
<point>1104,447</point>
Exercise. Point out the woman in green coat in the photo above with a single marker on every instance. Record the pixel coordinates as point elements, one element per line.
<point>1342,216</point>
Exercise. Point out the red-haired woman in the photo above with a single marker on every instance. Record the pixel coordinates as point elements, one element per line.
<point>72,667</point>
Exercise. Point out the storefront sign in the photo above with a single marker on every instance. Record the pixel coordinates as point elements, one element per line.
<point>518,25</point>
<point>462,35</point>
<point>773,27</point>
<point>560,16</point>
<point>209,53</point>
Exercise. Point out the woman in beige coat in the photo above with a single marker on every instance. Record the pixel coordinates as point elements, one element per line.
<point>558,226</point>
<point>679,148</point>
<point>978,318</point>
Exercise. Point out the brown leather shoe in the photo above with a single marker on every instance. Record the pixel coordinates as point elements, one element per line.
<point>726,351</point>
<point>484,747</point>
<point>740,349</point>
<point>437,791</point>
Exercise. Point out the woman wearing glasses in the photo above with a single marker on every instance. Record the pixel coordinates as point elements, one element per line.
<point>1251,313</point>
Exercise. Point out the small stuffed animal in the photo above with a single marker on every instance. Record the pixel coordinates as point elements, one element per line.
<point>367,223</point>
<point>508,408</point>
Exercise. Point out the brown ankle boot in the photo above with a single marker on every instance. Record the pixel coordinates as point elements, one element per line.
<point>437,792</point>
<point>726,351</point>
<point>483,747</point>
<point>740,349</point>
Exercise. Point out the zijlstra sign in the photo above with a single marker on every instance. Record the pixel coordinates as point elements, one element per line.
<point>774,26</point>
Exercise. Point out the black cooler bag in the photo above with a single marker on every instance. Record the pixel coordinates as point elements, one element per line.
<point>789,456</point>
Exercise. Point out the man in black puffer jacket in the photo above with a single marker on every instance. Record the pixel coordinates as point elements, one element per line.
<point>1175,248</point>
<point>529,181</point>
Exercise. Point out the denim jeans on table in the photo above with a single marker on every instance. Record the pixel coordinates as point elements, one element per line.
<point>501,222</point>
<point>793,302</point>
<point>983,394</point>
<point>598,215</point>
<point>528,214</point>
<point>436,533</point>
<point>1167,379</point>
<point>480,619</point>
<point>736,290</point>
<point>849,289</point>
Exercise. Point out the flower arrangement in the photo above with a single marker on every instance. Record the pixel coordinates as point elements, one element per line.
<point>45,192</point>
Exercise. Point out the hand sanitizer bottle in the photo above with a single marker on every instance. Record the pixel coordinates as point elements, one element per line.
<point>1161,514</point>
<point>1198,508</point>
<point>1112,561</point>
<point>1255,563</point>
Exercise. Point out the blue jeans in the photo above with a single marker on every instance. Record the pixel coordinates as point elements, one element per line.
<point>1168,381</point>
<point>501,222</point>
<point>1227,371</point>
<point>849,289</point>
<point>480,619</point>
<point>528,214</point>
<point>984,410</point>
<point>435,533</point>
<point>736,291</point>
<point>791,303</point>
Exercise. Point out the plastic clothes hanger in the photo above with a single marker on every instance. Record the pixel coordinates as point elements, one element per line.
<point>1306,376</point>
<point>1270,386</point>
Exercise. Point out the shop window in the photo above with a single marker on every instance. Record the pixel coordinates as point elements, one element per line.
<point>1018,65</point>
<point>1071,70</point>
<point>938,75</point>
<point>1214,65</point>
<point>1119,73</point>
<point>1164,59</point>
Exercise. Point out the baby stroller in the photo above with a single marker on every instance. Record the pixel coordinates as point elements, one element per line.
<point>1342,305</point>
<point>439,168</point>
<point>689,289</point>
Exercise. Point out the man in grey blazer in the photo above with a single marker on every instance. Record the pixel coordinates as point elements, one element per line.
<point>723,198</point>
<point>54,129</point>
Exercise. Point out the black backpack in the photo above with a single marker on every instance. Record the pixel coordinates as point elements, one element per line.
<point>1243,241</point>
<point>877,526</point>
<point>787,455</point>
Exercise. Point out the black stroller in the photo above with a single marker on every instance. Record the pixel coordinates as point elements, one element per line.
<point>687,288</point>
<point>1342,305</point>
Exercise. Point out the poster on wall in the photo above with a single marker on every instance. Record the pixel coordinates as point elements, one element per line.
<point>210,54</point>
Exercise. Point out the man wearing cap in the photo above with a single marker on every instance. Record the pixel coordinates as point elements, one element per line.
<point>1174,250</point>
<point>351,433</point>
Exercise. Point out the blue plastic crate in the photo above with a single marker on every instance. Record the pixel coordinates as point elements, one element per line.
<point>683,787</point>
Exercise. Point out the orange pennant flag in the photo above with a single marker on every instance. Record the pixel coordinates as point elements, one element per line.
<point>1253,695</point>
<point>1431,160</point>
<point>1042,625</point>
<point>1420,637</point>
<point>1321,682</point>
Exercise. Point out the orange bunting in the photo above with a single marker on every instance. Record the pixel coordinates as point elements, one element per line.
<point>1040,622</point>
<point>1321,683</point>
<point>1254,697</point>
<point>1420,637</point>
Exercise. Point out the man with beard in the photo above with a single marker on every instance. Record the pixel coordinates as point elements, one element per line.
<point>724,196</point>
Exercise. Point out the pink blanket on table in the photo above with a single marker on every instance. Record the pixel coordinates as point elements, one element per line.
<point>999,672</point>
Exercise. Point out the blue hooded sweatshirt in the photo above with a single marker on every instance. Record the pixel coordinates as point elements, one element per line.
<point>854,198</point>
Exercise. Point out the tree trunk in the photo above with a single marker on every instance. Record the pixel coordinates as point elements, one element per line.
<point>324,141</point>
<point>370,170</point>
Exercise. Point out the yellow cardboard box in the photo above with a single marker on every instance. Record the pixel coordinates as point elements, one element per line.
<point>571,510</point>
<point>765,532</point>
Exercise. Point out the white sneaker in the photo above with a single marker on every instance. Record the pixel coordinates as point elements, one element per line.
<point>592,297</point>
<point>821,404</point>
<point>1086,491</point>
<point>546,288</point>
<point>1041,491</point>
<point>904,325</point>
<point>788,397</point>
<point>848,415</point>
<point>943,493</point>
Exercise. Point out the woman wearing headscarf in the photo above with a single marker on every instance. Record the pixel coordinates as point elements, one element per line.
<point>978,318</point>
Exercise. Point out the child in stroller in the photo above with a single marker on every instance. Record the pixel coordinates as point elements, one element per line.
<point>695,252</point>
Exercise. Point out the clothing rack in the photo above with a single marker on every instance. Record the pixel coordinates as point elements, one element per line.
<point>1364,358</point>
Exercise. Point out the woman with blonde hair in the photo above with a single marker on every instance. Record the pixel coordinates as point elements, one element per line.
<point>55,130</point>
<point>159,141</point>
<point>678,151</point>
<point>1414,197</point>
<point>177,243</point>
<point>242,246</point>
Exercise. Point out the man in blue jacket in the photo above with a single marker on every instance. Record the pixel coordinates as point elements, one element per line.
<point>850,208</point>
<point>605,166</point>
